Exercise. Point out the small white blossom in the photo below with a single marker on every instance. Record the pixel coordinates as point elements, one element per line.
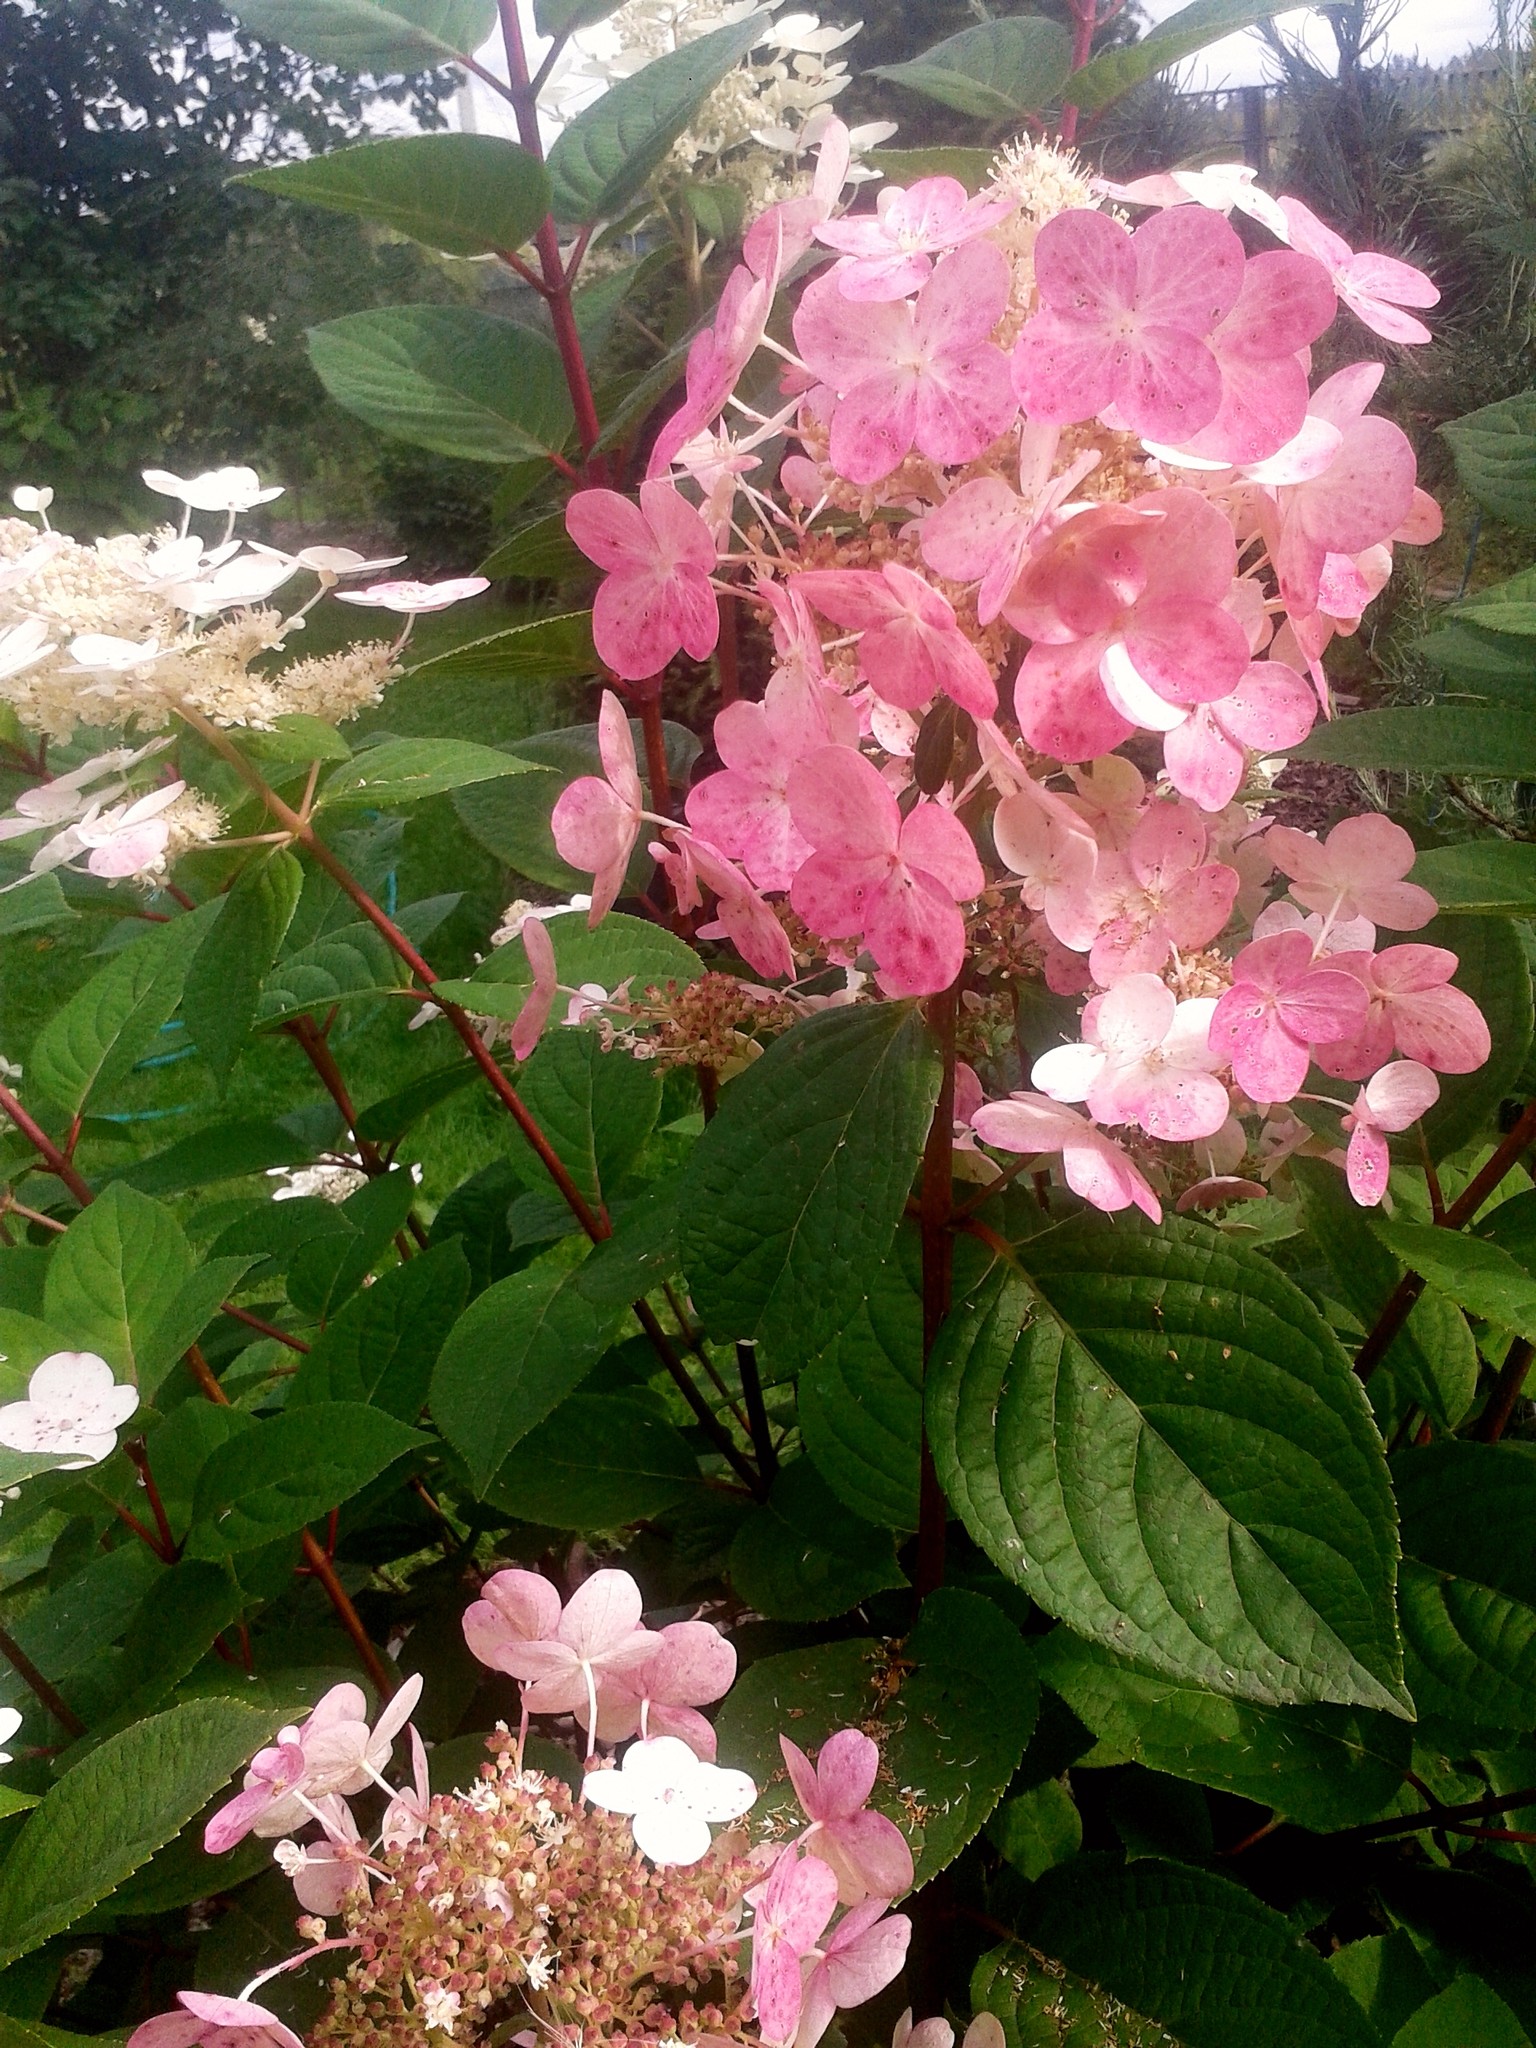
<point>540,1967</point>
<point>235,489</point>
<point>10,1720</point>
<point>32,497</point>
<point>671,1797</point>
<point>439,2008</point>
<point>73,1405</point>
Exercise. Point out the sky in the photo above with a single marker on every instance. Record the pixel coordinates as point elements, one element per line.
<point>1431,30</point>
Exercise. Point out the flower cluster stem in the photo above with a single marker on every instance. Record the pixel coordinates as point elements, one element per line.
<point>557,281</point>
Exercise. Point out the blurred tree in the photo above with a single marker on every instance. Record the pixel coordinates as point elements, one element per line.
<point>151,311</point>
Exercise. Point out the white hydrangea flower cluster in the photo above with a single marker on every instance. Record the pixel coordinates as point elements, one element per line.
<point>769,108</point>
<point>122,631</point>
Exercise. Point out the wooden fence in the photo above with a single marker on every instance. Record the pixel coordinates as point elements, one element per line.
<point>1444,100</point>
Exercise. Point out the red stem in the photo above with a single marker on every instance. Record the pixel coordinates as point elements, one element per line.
<point>47,1695</point>
<point>547,241</point>
<point>655,734</point>
<point>1086,15</point>
<point>1494,1420</point>
<point>43,1145</point>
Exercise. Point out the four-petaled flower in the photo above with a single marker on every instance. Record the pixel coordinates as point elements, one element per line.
<point>1126,320</point>
<point>74,1409</point>
<point>898,881</point>
<point>868,1852</point>
<point>1375,288</point>
<point>1357,871</point>
<point>671,1796</point>
<point>692,1665</point>
<point>1092,1165</point>
<point>790,1911</point>
<point>404,595</point>
<point>889,253</point>
<point>924,374</point>
<point>1394,1097</point>
<point>1281,1004</point>
<point>912,647</point>
<point>656,597</point>
<point>333,1751</point>
<point>863,1954</point>
<point>1145,1059</point>
<point>596,819</point>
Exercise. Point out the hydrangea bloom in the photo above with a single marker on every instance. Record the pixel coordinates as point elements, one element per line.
<point>1393,1098</point>
<point>671,1797</point>
<point>73,1410</point>
<point>655,599</point>
<point>923,375</point>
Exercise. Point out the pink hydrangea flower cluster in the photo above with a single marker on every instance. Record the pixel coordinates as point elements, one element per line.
<point>521,1909</point>
<point>1062,537</point>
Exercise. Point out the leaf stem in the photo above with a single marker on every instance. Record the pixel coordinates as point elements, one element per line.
<point>1494,1420</point>
<point>757,1412</point>
<point>55,1160</point>
<point>1085,20</point>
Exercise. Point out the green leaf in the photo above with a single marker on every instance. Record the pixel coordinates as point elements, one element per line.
<point>115,1273</point>
<point>1495,451</point>
<point>1159,1438</point>
<point>1434,1353</point>
<point>792,1196</point>
<point>376,36</point>
<point>1038,1830</point>
<point>1508,607</point>
<point>404,771</point>
<point>549,649</point>
<point>382,1346</point>
<point>223,984</point>
<point>191,1309</point>
<point>33,906</point>
<point>269,1481</point>
<point>348,964</point>
<point>229,1150</point>
<point>642,1251</point>
<point>448,378</point>
<point>1470,2014</point>
<point>996,70</point>
<point>861,1399</point>
<point>1480,1276</point>
<point>1113,72</point>
<point>173,1629</point>
<point>602,1461</point>
<point>1486,664</point>
<point>93,1042</point>
<point>596,1108</point>
<point>540,551</point>
<point>564,17</point>
<point>603,157</point>
<point>951,1712</point>
<point>1493,971</point>
<point>466,194</point>
<point>295,739</point>
<point>1042,2005</point>
<point>511,819</point>
<point>1429,739</point>
<point>1214,1964</point>
<point>1495,876</point>
<point>1324,1767</point>
<point>512,1358</point>
<point>1385,1974</point>
<point>332,1266</point>
<point>973,167</point>
<point>115,1809</point>
<point>1468,1586</point>
<point>387,1121</point>
<point>804,1557</point>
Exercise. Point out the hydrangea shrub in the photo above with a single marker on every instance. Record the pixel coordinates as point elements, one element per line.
<point>889,1404</point>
